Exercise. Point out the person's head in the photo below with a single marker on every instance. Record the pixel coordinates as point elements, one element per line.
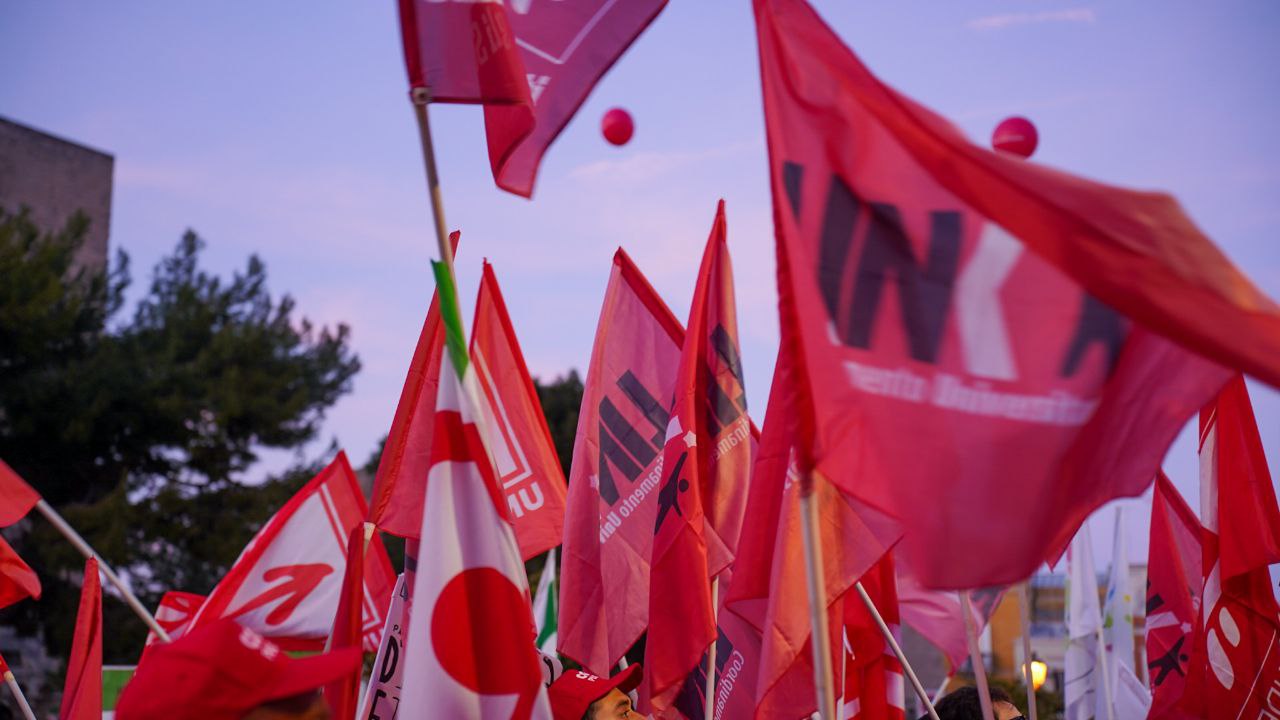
<point>224,671</point>
<point>964,704</point>
<point>579,695</point>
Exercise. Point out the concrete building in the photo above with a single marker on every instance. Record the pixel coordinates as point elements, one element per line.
<point>54,178</point>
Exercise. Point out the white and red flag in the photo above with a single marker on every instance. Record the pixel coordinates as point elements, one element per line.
<point>1174,584</point>
<point>1235,665</point>
<point>706,460</point>
<point>386,678</point>
<point>399,485</point>
<point>531,63</point>
<point>174,613</point>
<point>617,472</point>
<point>470,649</point>
<point>286,583</point>
<point>873,683</point>
<point>964,317</point>
<point>16,496</point>
<point>524,456</point>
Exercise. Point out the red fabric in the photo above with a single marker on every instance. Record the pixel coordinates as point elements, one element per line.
<point>343,694</point>
<point>873,680</point>
<point>400,485</point>
<point>565,48</point>
<point>938,358</point>
<point>1235,664</point>
<point>287,582</point>
<point>175,613</point>
<point>1174,580</point>
<point>524,455</point>
<point>4,666</point>
<point>16,496</point>
<point>616,472</point>
<point>82,693</point>
<point>462,52</point>
<point>708,413</point>
<point>769,584</point>
<point>17,580</point>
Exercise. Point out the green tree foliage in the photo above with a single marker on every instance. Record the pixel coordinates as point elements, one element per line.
<point>143,430</point>
<point>561,400</point>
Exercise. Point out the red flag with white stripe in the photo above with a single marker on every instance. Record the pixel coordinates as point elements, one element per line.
<point>286,583</point>
<point>175,612</point>
<point>873,684</point>
<point>524,456</point>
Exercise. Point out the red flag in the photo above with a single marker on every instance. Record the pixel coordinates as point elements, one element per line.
<point>616,472</point>
<point>82,694</point>
<point>937,358</point>
<point>1174,581</point>
<point>737,662</point>
<point>400,484</point>
<point>769,584</point>
<point>525,457</point>
<point>565,47</point>
<point>1235,668</point>
<point>343,694</point>
<point>16,496</point>
<point>707,452</point>
<point>462,52</point>
<point>287,582</point>
<point>873,681</point>
<point>17,580</point>
<point>175,613</point>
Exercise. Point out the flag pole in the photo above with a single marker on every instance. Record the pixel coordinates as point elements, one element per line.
<point>708,704</point>
<point>1106,676</point>
<point>975,656</point>
<point>18,696</point>
<point>421,97</point>
<point>897,649</point>
<point>942,688</point>
<point>1024,613</point>
<point>130,599</point>
<point>821,637</point>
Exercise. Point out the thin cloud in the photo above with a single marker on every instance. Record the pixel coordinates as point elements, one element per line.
<point>1007,20</point>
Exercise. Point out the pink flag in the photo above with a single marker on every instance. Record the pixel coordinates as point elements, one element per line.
<point>963,317</point>
<point>525,457</point>
<point>82,693</point>
<point>462,52</point>
<point>1174,584</point>
<point>936,614</point>
<point>400,484</point>
<point>16,496</point>
<point>617,472</point>
<point>286,583</point>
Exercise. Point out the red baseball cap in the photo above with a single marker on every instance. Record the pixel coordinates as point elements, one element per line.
<point>574,691</point>
<point>224,670</point>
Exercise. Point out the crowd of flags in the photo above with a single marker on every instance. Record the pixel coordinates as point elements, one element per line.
<point>977,352</point>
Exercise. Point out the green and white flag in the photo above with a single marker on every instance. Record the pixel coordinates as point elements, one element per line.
<point>546,605</point>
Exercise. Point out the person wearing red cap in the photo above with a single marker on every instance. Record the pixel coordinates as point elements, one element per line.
<point>225,671</point>
<point>579,695</point>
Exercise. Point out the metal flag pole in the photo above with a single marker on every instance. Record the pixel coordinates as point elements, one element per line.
<point>1024,612</point>
<point>897,650</point>
<point>421,97</point>
<point>708,704</point>
<point>975,656</point>
<point>130,599</point>
<point>821,637</point>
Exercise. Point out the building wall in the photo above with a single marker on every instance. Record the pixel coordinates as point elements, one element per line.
<point>54,178</point>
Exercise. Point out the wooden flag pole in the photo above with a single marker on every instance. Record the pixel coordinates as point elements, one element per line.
<point>1025,618</point>
<point>709,703</point>
<point>942,689</point>
<point>975,656</point>
<point>130,599</point>
<point>897,650</point>
<point>421,98</point>
<point>821,637</point>
<point>18,696</point>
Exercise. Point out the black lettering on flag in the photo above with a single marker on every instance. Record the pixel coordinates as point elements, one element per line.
<point>727,349</point>
<point>626,435</point>
<point>1172,661</point>
<point>792,176</point>
<point>1098,323</point>
<point>691,701</point>
<point>653,410</point>
<point>669,495</point>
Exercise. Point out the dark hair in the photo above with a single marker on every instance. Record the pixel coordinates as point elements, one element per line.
<point>964,704</point>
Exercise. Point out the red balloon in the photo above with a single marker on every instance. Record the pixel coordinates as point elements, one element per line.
<point>1015,135</point>
<point>617,126</point>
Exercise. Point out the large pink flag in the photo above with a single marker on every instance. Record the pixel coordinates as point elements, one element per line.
<point>617,472</point>
<point>528,470</point>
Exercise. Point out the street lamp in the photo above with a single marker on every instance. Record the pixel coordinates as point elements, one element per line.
<point>1039,673</point>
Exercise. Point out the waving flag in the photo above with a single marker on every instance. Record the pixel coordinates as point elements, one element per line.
<point>1117,628</point>
<point>1174,584</point>
<point>400,484</point>
<point>873,683</point>
<point>175,613</point>
<point>16,496</point>
<point>462,52</point>
<point>343,694</point>
<point>382,696</point>
<point>939,357</point>
<point>17,580</point>
<point>286,583</point>
<point>523,453</point>
<point>1235,666</point>
<point>546,606</point>
<point>737,664</point>
<point>471,640</point>
<point>617,472</point>
<point>1083,695</point>
<point>82,693</point>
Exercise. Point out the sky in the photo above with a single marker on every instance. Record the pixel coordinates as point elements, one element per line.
<point>284,129</point>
